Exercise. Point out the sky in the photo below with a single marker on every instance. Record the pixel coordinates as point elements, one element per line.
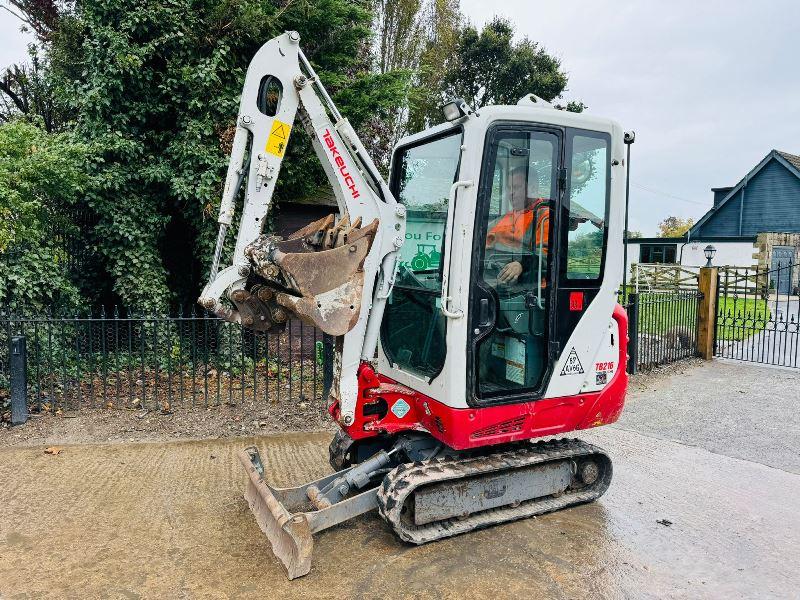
<point>709,86</point>
<point>13,43</point>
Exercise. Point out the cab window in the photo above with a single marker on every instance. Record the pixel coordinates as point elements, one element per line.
<point>586,209</point>
<point>413,329</point>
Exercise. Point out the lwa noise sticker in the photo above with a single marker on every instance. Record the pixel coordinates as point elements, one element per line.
<point>573,365</point>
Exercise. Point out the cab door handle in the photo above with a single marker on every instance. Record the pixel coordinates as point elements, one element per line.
<point>483,313</point>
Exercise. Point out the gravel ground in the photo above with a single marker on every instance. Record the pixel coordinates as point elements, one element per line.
<point>100,425</point>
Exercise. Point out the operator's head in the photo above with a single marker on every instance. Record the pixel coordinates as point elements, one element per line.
<point>520,176</point>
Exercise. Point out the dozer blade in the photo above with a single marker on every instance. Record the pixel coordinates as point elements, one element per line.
<point>290,533</point>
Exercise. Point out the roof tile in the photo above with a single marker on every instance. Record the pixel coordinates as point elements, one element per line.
<point>792,158</point>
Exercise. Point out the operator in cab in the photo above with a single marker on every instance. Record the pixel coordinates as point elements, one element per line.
<point>524,230</point>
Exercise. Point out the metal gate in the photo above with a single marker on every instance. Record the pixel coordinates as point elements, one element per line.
<point>758,311</point>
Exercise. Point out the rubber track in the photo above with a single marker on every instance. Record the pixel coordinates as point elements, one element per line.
<point>401,482</point>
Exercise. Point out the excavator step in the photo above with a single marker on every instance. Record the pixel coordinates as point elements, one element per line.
<point>443,497</point>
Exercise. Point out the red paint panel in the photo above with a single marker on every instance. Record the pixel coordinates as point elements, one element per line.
<point>473,427</point>
<point>576,301</point>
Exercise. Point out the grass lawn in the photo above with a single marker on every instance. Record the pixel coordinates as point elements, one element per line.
<point>741,318</point>
<point>660,313</point>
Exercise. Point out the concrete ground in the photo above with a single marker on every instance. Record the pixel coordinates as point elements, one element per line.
<point>728,407</point>
<point>703,505</point>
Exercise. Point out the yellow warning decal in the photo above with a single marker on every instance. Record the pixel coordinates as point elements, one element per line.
<point>278,138</point>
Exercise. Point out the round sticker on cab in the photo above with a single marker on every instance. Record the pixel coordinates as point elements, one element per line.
<point>400,408</point>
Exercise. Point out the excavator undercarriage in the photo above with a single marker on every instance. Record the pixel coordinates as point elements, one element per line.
<point>429,499</point>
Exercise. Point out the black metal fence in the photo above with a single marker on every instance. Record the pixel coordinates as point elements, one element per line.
<point>155,362</point>
<point>158,362</point>
<point>662,327</point>
<point>758,314</point>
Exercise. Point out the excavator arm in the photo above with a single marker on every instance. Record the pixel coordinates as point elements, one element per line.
<point>335,273</point>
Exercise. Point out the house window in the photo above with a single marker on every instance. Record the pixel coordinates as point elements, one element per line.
<point>657,253</point>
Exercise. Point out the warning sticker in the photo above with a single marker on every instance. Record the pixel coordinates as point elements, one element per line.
<point>278,138</point>
<point>573,365</point>
<point>400,408</point>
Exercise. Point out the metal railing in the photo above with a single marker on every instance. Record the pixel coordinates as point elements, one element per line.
<point>759,322</point>
<point>662,327</point>
<point>158,362</point>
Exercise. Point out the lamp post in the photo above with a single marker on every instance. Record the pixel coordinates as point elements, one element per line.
<point>709,251</point>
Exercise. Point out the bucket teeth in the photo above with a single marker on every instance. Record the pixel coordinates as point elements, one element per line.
<point>254,312</point>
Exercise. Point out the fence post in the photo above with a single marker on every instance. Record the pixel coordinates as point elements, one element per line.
<point>706,312</point>
<point>633,333</point>
<point>19,381</point>
<point>327,364</point>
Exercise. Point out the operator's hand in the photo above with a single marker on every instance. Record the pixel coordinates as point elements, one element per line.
<point>510,273</point>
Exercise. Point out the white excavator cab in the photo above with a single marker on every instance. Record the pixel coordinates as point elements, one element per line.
<point>473,300</point>
<point>513,229</point>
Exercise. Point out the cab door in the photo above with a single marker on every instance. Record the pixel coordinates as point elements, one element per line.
<point>512,291</point>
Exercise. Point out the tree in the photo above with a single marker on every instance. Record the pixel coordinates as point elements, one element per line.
<point>442,21</point>
<point>27,90</point>
<point>634,235</point>
<point>399,33</point>
<point>41,178</point>
<point>488,67</point>
<point>413,37</point>
<point>41,16</point>
<point>153,87</point>
<point>674,227</point>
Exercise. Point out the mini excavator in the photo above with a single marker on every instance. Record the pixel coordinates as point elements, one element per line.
<point>472,299</point>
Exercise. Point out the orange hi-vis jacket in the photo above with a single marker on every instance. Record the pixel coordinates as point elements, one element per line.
<point>514,229</point>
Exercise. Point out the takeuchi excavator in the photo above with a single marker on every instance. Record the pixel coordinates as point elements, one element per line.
<point>472,299</point>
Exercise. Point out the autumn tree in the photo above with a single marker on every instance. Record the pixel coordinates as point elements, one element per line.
<point>674,227</point>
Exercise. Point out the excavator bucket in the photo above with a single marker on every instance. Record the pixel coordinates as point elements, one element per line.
<point>290,516</point>
<point>316,275</point>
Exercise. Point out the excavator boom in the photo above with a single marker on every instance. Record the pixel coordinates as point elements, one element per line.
<point>335,273</point>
